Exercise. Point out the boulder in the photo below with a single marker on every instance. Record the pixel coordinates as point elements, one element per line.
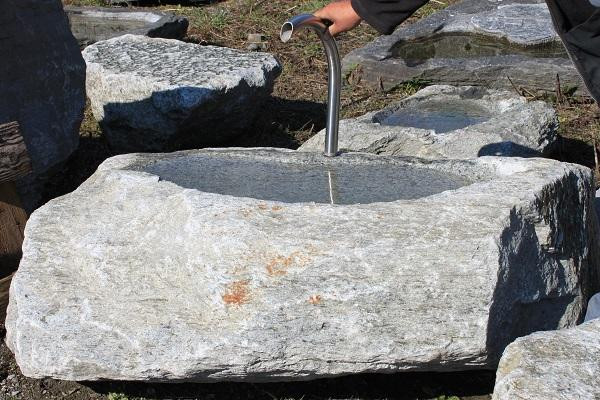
<point>560,365</point>
<point>264,264</point>
<point>451,122</point>
<point>154,94</point>
<point>497,44</point>
<point>92,24</point>
<point>42,86</point>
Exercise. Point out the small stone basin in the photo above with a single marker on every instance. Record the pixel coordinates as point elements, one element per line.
<point>92,24</point>
<point>335,181</point>
<point>439,116</point>
<point>445,121</point>
<point>470,45</point>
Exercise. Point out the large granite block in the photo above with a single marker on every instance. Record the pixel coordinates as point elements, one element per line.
<point>278,265</point>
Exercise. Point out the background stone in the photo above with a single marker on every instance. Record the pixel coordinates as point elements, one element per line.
<point>487,42</point>
<point>46,92</point>
<point>556,365</point>
<point>92,24</point>
<point>154,94</point>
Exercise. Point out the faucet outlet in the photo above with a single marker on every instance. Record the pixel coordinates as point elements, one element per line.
<point>334,73</point>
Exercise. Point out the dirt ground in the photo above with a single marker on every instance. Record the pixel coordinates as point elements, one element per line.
<point>294,113</point>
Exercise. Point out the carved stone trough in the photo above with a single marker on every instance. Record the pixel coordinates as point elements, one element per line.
<point>264,264</point>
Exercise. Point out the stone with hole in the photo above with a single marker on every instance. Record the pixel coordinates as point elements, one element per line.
<point>153,94</point>
<point>267,265</point>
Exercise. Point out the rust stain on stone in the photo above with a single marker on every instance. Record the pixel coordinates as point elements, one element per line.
<point>276,208</point>
<point>315,299</point>
<point>237,293</point>
<point>278,265</point>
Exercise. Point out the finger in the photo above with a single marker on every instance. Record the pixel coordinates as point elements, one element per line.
<point>334,29</point>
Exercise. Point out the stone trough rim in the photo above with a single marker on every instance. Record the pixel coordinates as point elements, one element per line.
<point>487,169</point>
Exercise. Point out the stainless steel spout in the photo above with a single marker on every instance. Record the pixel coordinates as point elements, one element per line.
<point>335,73</point>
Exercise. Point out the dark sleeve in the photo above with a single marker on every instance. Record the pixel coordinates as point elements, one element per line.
<point>578,24</point>
<point>386,15</point>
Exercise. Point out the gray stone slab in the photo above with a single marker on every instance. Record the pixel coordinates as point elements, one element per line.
<point>153,94</point>
<point>560,365</point>
<point>475,42</point>
<point>233,264</point>
<point>451,122</point>
<point>92,24</point>
<point>42,86</point>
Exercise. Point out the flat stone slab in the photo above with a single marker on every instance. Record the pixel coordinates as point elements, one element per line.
<point>451,122</point>
<point>42,86</point>
<point>92,24</point>
<point>496,44</point>
<point>233,264</point>
<point>556,365</point>
<point>151,94</point>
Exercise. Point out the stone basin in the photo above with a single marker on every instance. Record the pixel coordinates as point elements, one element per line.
<point>93,24</point>
<point>338,182</point>
<point>438,116</point>
<point>500,45</point>
<point>213,265</point>
<point>470,45</point>
<point>443,121</point>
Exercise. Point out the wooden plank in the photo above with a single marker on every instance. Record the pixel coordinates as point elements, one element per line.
<point>14,159</point>
<point>12,226</point>
<point>4,287</point>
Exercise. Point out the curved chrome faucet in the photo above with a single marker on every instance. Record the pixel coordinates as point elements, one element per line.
<point>335,73</point>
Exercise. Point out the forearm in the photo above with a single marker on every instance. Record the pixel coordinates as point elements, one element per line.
<point>386,15</point>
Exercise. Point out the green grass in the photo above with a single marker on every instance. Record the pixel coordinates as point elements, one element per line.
<point>117,396</point>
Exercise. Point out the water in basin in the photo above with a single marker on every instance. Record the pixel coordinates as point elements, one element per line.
<point>440,116</point>
<point>336,183</point>
<point>462,45</point>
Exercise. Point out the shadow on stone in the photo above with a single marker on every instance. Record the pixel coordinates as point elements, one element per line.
<point>408,385</point>
<point>507,149</point>
<point>537,296</point>
<point>182,118</point>
<point>264,121</point>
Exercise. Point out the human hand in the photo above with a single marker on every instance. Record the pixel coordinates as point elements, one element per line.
<point>341,14</point>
